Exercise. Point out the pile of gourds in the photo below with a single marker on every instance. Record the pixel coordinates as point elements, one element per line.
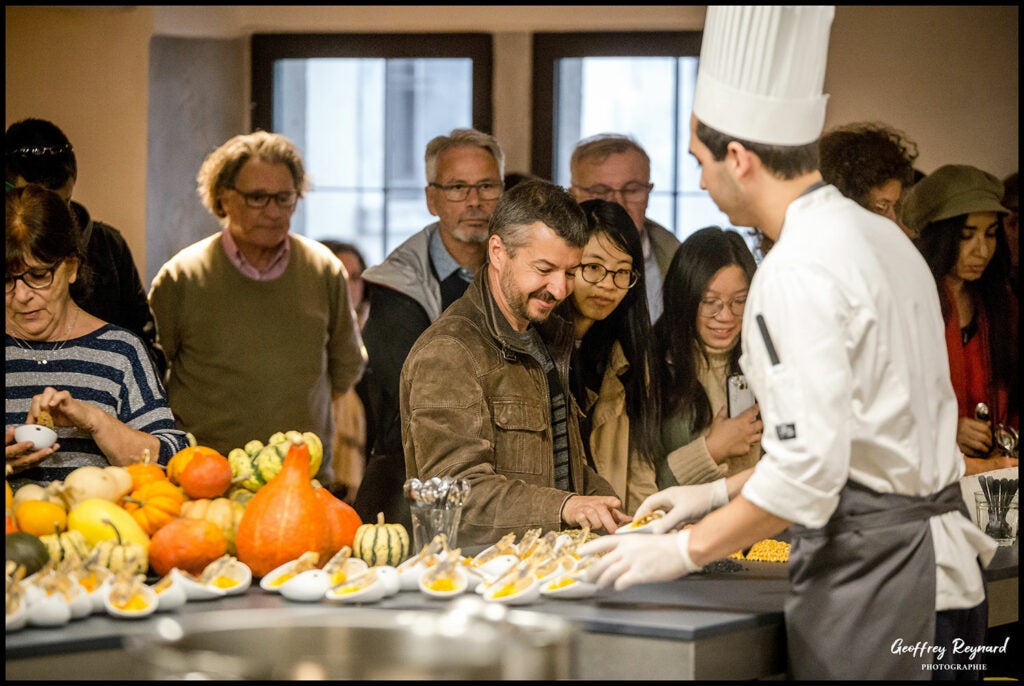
<point>261,503</point>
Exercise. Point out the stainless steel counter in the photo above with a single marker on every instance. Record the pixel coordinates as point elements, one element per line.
<point>719,626</point>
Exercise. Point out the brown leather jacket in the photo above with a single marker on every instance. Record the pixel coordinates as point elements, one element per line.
<point>475,407</point>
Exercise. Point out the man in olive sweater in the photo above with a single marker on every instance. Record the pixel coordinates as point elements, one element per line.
<point>256,322</point>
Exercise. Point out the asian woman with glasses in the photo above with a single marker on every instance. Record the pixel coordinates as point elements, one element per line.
<point>697,342</point>
<point>611,368</point>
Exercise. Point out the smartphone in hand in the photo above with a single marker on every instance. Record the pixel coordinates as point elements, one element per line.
<point>738,394</point>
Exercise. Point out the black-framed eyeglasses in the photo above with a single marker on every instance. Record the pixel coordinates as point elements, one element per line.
<point>710,307</point>
<point>457,192</point>
<point>36,278</point>
<point>595,273</point>
<point>631,192</point>
<point>257,201</point>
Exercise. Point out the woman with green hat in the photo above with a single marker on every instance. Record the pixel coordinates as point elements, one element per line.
<point>958,214</point>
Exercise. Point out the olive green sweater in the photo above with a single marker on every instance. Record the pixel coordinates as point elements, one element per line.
<point>250,358</point>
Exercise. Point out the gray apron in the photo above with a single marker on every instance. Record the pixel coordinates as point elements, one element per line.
<point>861,583</point>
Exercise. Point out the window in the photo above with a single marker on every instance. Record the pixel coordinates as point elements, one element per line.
<point>362,108</point>
<point>639,84</point>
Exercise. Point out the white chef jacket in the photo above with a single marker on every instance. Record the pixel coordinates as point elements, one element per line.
<point>861,388</point>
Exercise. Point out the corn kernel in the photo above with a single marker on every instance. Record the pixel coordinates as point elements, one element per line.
<point>769,550</point>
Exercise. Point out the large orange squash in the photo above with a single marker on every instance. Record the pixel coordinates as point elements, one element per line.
<point>188,544</point>
<point>177,464</point>
<point>341,516</point>
<point>207,475</point>
<point>284,519</point>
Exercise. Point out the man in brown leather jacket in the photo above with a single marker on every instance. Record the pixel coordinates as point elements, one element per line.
<point>483,390</point>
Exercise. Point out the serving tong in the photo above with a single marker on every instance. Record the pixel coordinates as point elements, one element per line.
<point>1006,437</point>
<point>999,493</point>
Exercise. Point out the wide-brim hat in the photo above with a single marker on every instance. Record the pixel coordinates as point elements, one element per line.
<point>950,191</point>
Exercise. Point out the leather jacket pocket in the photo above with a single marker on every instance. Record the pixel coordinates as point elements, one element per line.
<point>521,436</point>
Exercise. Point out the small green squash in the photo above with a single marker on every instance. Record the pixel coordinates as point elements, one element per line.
<point>61,544</point>
<point>381,543</point>
<point>118,554</point>
<point>27,550</point>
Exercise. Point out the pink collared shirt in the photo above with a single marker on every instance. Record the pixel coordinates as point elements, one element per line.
<point>277,265</point>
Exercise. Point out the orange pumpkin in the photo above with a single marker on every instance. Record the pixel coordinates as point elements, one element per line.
<point>145,472</point>
<point>154,504</point>
<point>207,475</point>
<point>188,544</point>
<point>284,519</point>
<point>343,519</point>
<point>177,464</point>
<point>223,512</point>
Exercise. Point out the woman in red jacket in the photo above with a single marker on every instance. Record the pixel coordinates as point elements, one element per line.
<point>959,214</point>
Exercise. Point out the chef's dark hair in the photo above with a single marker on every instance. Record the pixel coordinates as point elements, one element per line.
<point>785,161</point>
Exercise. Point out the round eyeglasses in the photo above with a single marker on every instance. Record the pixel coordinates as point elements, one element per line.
<point>258,200</point>
<point>36,278</point>
<point>595,273</point>
<point>631,192</point>
<point>457,192</point>
<point>710,307</point>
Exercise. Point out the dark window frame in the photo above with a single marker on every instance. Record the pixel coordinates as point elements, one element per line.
<point>550,47</point>
<point>266,48</point>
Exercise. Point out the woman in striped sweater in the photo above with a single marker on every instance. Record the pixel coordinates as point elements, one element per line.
<point>94,379</point>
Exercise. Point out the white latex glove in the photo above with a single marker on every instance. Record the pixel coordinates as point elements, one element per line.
<point>629,560</point>
<point>683,504</point>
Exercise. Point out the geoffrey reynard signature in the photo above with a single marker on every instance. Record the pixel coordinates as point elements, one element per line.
<point>959,646</point>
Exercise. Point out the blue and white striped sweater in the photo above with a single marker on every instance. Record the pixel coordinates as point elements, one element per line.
<point>108,368</point>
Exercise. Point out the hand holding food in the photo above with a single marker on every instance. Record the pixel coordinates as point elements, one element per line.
<point>629,560</point>
<point>683,504</point>
<point>60,408</point>
<point>595,512</point>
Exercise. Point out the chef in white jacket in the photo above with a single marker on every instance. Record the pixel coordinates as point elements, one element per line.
<point>843,346</point>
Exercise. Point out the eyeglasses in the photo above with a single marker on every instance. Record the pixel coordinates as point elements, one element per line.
<point>257,201</point>
<point>595,273</point>
<point>457,192</point>
<point>710,307</point>
<point>36,278</point>
<point>631,192</point>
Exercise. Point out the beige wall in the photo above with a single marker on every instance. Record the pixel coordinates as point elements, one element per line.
<point>946,75</point>
<point>87,71</point>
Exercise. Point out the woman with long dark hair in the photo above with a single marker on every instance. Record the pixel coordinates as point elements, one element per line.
<point>612,364</point>
<point>697,343</point>
<point>958,212</point>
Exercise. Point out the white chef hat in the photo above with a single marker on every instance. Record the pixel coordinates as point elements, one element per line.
<point>762,70</point>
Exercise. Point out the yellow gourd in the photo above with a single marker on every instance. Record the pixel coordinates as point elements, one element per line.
<point>94,518</point>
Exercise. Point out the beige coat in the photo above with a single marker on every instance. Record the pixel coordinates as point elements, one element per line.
<point>632,477</point>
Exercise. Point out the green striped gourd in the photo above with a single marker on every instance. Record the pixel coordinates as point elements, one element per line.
<point>381,543</point>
